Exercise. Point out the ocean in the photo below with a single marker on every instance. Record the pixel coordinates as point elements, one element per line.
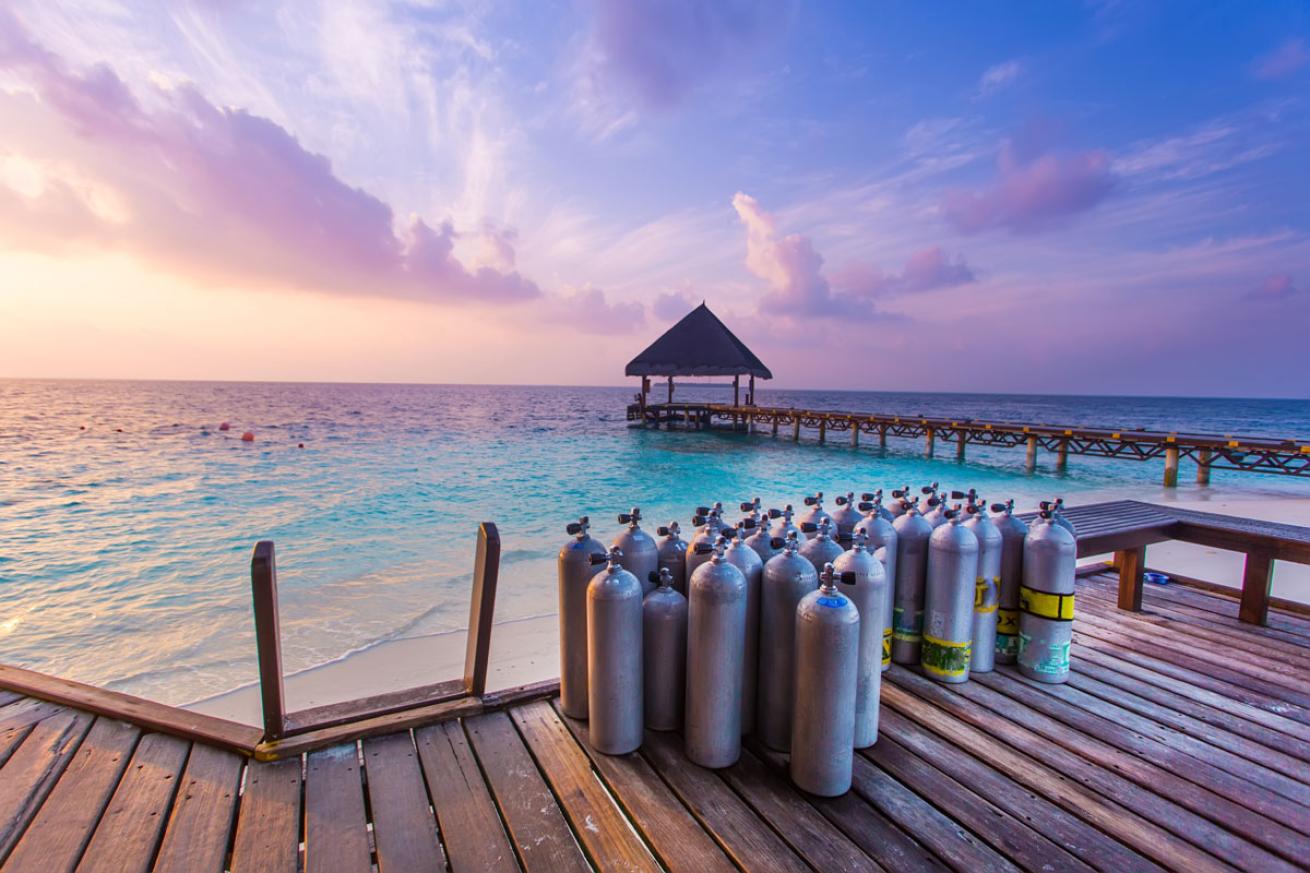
<point>127,516</point>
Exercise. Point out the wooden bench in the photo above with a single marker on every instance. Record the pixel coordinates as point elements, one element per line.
<point>1127,527</point>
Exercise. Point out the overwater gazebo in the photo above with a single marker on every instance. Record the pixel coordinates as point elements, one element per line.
<point>699,345</point>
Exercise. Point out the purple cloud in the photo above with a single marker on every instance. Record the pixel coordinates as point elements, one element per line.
<point>588,311</point>
<point>1283,61</point>
<point>1275,287</point>
<point>925,270</point>
<point>223,192</point>
<point>672,305</point>
<point>1032,192</point>
<point>661,49</point>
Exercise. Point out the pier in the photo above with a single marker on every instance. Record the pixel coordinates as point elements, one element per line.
<point>1182,741</point>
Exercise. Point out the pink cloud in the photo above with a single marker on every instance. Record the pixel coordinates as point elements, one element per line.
<point>588,311</point>
<point>672,305</point>
<point>220,191</point>
<point>1275,287</point>
<point>1032,192</point>
<point>925,270</point>
<point>1283,61</point>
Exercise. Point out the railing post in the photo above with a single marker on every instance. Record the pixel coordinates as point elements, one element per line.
<point>1132,565</point>
<point>268,638</point>
<point>1257,580</point>
<point>486,573</point>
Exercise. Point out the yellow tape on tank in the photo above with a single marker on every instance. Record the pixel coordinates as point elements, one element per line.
<point>886,645</point>
<point>1007,621</point>
<point>1039,603</point>
<point>945,658</point>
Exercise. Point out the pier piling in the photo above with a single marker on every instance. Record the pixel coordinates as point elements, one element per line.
<point>1203,467</point>
<point>961,440</point>
<point>1171,467</point>
<point>823,431</point>
<point>929,442</point>
<point>882,436</point>
<point>796,429</point>
<point>1030,460</point>
<point>855,434</point>
<point>1062,456</point>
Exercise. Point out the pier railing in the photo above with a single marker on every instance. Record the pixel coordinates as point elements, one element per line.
<point>1252,454</point>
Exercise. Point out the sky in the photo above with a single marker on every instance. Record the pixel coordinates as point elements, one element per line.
<point>1102,197</point>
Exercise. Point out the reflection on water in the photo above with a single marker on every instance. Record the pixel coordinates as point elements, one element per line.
<point>125,546</point>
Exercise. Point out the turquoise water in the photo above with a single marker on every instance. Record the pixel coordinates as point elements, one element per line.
<point>127,517</point>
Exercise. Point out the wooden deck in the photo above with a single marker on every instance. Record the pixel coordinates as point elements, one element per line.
<point>1182,741</point>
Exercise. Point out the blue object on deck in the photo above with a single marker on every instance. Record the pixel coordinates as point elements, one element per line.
<point>1157,578</point>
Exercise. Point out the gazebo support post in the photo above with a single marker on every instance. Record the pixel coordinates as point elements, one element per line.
<point>750,392</point>
<point>736,390</point>
<point>670,389</point>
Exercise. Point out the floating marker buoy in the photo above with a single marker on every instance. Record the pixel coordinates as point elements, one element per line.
<point>81,427</point>
<point>300,445</point>
<point>118,430</point>
<point>225,426</point>
<point>248,437</point>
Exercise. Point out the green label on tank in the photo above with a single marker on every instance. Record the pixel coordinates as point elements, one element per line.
<point>1055,660</point>
<point>945,658</point>
<point>906,625</point>
<point>1007,644</point>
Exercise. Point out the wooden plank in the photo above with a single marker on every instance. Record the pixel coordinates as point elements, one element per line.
<point>999,829</point>
<point>403,824</point>
<point>747,839</point>
<point>1241,808</point>
<point>533,818</point>
<point>32,770</point>
<point>128,834</point>
<point>145,714</point>
<point>329,715</point>
<point>474,837</point>
<point>1058,775</point>
<point>600,825</point>
<point>11,738</point>
<point>482,610</point>
<point>1131,563</point>
<point>8,697</point>
<point>674,836</point>
<point>204,811</point>
<point>26,712</point>
<point>813,837</point>
<point>1076,836</point>
<point>268,822</point>
<point>336,827</point>
<point>1257,582</point>
<point>1222,600</point>
<point>57,836</point>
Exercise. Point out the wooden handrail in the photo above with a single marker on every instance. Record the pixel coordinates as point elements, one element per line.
<point>268,638</point>
<point>482,609</point>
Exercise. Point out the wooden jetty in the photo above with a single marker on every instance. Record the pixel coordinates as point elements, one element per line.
<point>701,345</point>
<point>1182,741</point>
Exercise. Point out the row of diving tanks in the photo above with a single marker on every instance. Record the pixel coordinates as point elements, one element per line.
<point>781,623</point>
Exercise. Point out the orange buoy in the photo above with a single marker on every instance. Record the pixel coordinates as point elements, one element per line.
<point>248,437</point>
<point>225,426</point>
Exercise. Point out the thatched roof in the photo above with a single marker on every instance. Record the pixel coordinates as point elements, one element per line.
<point>699,345</point>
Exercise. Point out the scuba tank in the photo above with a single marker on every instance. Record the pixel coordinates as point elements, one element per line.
<point>664,653</point>
<point>900,502</point>
<point>948,600</point>
<point>576,568</point>
<point>1046,601</point>
<point>753,510</point>
<point>1013,531</point>
<point>716,649</point>
<point>860,576</point>
<point>823,708</point>
<point>783,523</point>
<point>876,499</point>
<point>787,578</point>
<point>763,540</point>
<point>709,523</point>
<point>912,534</point>
<point>614,683</point>
<point>847,518</point>
<point>672,555</point>
<point>822,549</point>
<point>935,514</point>
<point>882,542</point>
<point>639,554</point>
<point>814,514</point>
<point>745,559</point>
<point>1056,508</point>
<point>987,587</point>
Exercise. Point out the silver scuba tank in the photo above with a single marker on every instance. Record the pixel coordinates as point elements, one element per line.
<point>876,499</point>
<point>846,517</point>
<point>672,555</point>
<point>935,514</point>
<point>745,559</point>
<point>664,653</point>
<point>576,567</point>
<point>716,650</point>
<point>762,539</point>
<point>783,524</point>
<point>641,557</point>
<point>899,503</point>
<point>709,525</point>
<point>882,542</point>
<point>822,549</point>
<point>752,510</point>
<point>912,534</point>
<point>1013,531</point>
<point>787,578</point>
<point>1046,601</point>
<point>615,690</point>
<point>823,708</point>
<point>987,586</point>
<point>948,601</point>
<point>814,514</point>
<point>1056,507</point>
<point>861,577</point>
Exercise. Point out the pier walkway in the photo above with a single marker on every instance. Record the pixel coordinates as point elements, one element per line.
<point>1286,457</point>
<point>1182,741</point>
